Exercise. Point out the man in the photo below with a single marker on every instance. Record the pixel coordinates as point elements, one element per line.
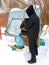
<point>32,27</point>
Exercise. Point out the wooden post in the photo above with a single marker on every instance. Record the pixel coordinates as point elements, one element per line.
<point>0,33</point>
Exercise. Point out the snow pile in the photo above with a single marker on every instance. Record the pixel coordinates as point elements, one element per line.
<point>9,57</point>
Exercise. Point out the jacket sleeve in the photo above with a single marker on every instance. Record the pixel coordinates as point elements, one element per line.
<point>22,25</point>
<point>28,24</point>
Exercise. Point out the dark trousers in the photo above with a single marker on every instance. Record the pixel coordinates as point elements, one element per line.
<point>33,47</point>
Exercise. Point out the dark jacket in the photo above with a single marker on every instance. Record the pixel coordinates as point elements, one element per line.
<point>23,30</point>
<point>32,25</point>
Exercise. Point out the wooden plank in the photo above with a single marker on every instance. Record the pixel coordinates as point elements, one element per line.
<point>3,21</point>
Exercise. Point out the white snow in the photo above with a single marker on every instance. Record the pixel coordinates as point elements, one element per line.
<point>10,57</point>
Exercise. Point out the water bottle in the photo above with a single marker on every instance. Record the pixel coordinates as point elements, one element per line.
<point>42,42</point>
<point>20,41</point>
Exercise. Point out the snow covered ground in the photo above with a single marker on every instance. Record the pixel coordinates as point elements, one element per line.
<point>10,57</point>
